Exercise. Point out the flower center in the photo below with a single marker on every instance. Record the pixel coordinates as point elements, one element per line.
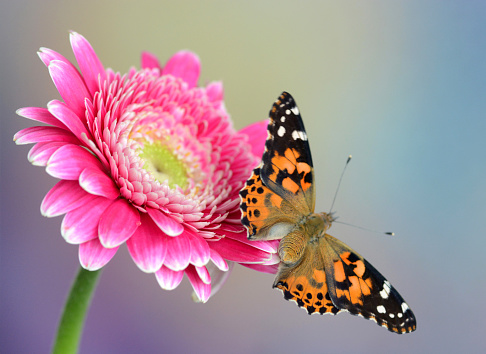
<point>163,165</point>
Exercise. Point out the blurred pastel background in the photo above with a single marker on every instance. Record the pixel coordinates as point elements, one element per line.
<point>400,85</point>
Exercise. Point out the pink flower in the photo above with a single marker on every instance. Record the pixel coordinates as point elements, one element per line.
<point>148,159</point>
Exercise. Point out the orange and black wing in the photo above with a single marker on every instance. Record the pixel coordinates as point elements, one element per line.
<point>357,287</point>
<point>280,192</point>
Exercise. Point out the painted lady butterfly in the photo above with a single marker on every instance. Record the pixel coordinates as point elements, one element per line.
<point>317,271</point>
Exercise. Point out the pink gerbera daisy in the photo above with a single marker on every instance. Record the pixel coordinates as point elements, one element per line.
<point>148,159</point>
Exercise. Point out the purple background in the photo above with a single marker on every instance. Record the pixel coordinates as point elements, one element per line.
<point>400,85</point>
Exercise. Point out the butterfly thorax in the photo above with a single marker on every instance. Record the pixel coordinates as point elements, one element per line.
<point>308,231</point>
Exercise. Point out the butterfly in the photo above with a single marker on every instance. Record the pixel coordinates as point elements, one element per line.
<point>317,271</point>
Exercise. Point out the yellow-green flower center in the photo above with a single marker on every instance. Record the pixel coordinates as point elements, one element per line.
<point>163,165</point>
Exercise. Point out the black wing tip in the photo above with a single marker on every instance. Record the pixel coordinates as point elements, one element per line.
<point>284,98</point>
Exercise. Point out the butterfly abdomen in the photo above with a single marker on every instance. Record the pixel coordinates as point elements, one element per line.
<point>291,247</point>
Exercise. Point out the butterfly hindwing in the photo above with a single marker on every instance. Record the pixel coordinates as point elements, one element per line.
<point>356,286</point>
<point>287,162</point>
<point>305,283</point>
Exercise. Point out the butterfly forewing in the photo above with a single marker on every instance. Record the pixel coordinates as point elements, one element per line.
<point>287,163</point>
<point>262,209</point>
<point>356,286</point>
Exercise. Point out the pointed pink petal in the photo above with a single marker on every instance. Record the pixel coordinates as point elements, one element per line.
<point>185,65</point>
<point>202,290</point>
<point>148,245</point>
<point>219,277</point>
<point>95,181</point>
<point>69,161</point>
<point>200,253</point>
<point>274,259</point>
<point>271,269</point>
<point>81,225</point>
<point>257,135</point>
<point>64,197</point>
<point>47,55</point>
<point>42,152</point>
<point>93,256</point>
<point>267,246</point>
<point>89,63</point>
<point>168,279</point>
<point>239,252</point>
<point>150,61</point>
<point>166,224</point>
<point>215,91</point>
<point>178,252</point>
<point>218,260</point>
<point>70,86</point>
<point>40,115</point>
<point>203,274</point>
<point>67,116</point>
<point>44,134</point>
<point>118,223</point>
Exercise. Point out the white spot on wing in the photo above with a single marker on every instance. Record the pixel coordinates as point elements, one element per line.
<point>392,315</point>
<point>405,306</point>
<point>386,290</point>
<point>299,135</point>
<point>287,112</point>
<point>381,309</point>
<point>282,119</point>
<point>281,131</point>
<point>295,110</point>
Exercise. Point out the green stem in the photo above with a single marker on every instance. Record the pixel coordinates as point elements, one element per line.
<point>72,320</point>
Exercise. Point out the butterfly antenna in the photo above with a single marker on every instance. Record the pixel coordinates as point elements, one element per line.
<point>366,229</point>
<point>339,184</point>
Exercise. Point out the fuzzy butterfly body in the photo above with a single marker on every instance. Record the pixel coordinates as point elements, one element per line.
<point>317,271</point>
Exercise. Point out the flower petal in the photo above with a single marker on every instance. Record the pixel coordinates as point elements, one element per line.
<point>185,65</point>
<point>69,117</point>
<point>168,279</point>
<point>64,197</point>
<point>178,252</point>
<point>89,63</point>
<point>257,135</point>
<point>203,274</point>
<point>40,115</point>
<point>42,152</point>
<point>239,252</point>
<point>267,246</point>
<point>95,181</point>
<point>70,86</point>
<point>200,252</point>
<point>118,223</point>
<point>44,134</point>
<point>214,90</point>
<point>47,55</point>
<point>271,269</point>
<point>202,290</point>
<point>166,224</point>
<point>93,256</point>
<point>81,225</point>
<point>148,245</point>
<point>69,161</point>
<point>150,61</point>
<point>218,260</point>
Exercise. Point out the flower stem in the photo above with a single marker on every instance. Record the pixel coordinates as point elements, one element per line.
<point>74,314</point>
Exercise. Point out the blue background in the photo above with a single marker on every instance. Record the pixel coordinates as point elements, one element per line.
<point>400,85</point>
